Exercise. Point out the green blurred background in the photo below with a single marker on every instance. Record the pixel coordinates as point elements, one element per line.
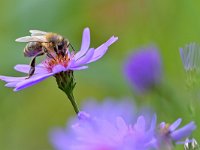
<point>26,117</point>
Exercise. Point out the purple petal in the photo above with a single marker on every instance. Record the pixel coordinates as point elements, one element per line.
<point>11,79</point>
<point>59,139</point>
<point>101,50</point>
<point>174,125</point>
<point>153,122</point>
<point>183,132</point>
<point>140,124</point>
<point>121,125</point>
<point>12,84</point>
<point>22,68</point>
<point>70,64</point>
<point>83,115</point>
<point>25,68</point>
<point>58,68</point>
<point>162,125</point>
<point>111,40</point>
<point>85,43</point>
<point>151,131</point>
<point>83,60</point>
<point>78,68</point>
<point>31,81</point>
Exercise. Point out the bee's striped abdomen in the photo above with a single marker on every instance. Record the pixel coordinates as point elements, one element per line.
<point>32,48</point>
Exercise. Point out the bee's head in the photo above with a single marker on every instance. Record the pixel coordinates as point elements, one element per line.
<point>60,44</point>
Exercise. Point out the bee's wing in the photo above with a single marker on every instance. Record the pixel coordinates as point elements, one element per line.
<point>32,39</point>
<point>37,32</point>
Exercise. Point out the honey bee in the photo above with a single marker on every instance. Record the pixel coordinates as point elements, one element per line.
<point>40,43</point>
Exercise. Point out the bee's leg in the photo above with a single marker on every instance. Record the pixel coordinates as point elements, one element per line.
<point>65,49</point>
<point>47,53</point>
<point>32,69</point>
<point>50,56</point>
<point>71,47</point>
<point>32,64</point>
<point>56,49</point>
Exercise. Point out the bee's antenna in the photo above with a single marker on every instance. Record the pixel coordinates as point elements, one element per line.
<point>71,46</point>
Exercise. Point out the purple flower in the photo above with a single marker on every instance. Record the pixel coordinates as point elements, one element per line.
<point>106,132</point>
<point>69,62</point>
<point>116,125</point>
<point>171,133</point>
<point>103,110</point>
<point>143,69</point>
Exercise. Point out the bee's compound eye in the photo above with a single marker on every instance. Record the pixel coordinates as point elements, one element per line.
<point>60,46</point>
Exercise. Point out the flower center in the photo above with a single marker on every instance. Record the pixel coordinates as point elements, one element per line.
<point>165,130</point>
<point>50,63</point>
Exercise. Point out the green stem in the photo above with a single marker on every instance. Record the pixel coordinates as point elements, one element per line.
<point>66,83</point>
<point>73,102</point>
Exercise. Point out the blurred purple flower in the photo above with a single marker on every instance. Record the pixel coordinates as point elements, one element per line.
<point>190,56</point>
<point>171,133</point>
<point>69,62</point>
<point>143,69</point>
<point>104,111</point>
<point>191,144</point>
<point>107,132</point>
<point>116,125</point>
